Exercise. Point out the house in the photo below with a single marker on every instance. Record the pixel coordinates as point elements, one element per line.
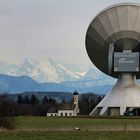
<point>66,109</point>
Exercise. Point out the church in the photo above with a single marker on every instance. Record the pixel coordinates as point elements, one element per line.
<point>67,109</point>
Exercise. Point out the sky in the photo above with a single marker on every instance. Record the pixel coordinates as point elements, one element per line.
<point>52,29</point>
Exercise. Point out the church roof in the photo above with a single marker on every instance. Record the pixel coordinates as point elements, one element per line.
<point>75,93</point>
<point>67,107</point>
<point>53,110</point>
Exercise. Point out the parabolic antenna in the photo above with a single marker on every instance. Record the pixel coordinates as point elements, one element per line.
<point>115,29</point>
<point>113,45</point>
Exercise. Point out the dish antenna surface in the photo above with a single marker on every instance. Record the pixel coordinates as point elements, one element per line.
<point>113,45</point>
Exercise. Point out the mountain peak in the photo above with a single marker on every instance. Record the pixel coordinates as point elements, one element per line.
<point>43,70</point>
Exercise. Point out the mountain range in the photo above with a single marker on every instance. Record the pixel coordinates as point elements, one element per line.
<point>49,75</point>
<point>92,81</point>
<point>45,70</point>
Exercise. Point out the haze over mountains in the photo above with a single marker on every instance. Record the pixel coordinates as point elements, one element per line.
<point>49,75</point>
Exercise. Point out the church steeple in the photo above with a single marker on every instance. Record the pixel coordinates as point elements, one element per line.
<point>75,102</point>
<point>75,97</point>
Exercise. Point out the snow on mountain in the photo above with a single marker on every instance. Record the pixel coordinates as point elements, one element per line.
<point>92,74</point>
<point>95,77</point>
<point>81,73</point>
<point>45,70</point>
<point>58,76</point>
<point>39,71</point>
<point>7,68</point>
<point>93,81</point>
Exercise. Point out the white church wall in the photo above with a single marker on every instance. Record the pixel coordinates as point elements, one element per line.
<point>66,113</point>
<point>52,114</point>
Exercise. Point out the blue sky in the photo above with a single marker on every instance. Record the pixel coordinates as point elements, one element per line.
<point>47,28</point>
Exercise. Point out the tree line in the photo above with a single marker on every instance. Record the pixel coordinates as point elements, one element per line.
<point>88,102</point>
<point>31,105</point>
<point>36,107</point>
<point>26,105</point>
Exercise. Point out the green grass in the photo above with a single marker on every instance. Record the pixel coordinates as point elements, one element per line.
<point>85,124</point>
<point>70,136</point>
<point>62,128</point>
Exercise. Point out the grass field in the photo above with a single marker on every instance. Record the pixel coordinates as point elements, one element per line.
<point>70,136</point>
<point>85,124</point>
<point>62,128</point>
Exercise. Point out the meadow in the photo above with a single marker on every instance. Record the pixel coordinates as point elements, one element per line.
<point>63,128</point>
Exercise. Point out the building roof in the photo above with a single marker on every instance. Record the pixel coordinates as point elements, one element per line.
<point>67,107</point>
<point>53,110</point>
<point>75,93</point>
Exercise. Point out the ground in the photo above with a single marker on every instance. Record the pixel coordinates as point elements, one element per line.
<point>63,128</point>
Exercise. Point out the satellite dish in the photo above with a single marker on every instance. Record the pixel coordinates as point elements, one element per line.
<point>113,45</point>
<point>115,29</point>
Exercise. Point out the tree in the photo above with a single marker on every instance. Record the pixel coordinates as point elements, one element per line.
<point>99,99</point>
<point>34,100</point>
<point>26,99</point>
<point>45,100</point>
<point>6,108</point>
<point>20,99</point>
<point>63,100</point>
<point>88,102</point>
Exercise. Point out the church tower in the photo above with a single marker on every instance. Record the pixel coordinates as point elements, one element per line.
<point>75,102</point>
<point>75,97</point>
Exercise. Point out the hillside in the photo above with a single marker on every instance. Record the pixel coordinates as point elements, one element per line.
<point>12,84</point>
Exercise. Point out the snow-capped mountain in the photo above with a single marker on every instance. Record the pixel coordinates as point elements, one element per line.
<point>93,81</point>
<point>94,77</point>
<point>45,70</point>
<point>92,74</point>
<point>56,76</point>
<point>8,68</point>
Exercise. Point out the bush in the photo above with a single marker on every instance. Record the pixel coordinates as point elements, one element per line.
<point>6,107</point>
<point>7,122</point>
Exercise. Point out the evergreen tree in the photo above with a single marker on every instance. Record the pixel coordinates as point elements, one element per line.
<point>20,99</point>
<point>45,100</point>
<point>26,99</point>
<point>50,100</point>
<point>34,100</point>
<point>99,99</point>
<point>63,100</point>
